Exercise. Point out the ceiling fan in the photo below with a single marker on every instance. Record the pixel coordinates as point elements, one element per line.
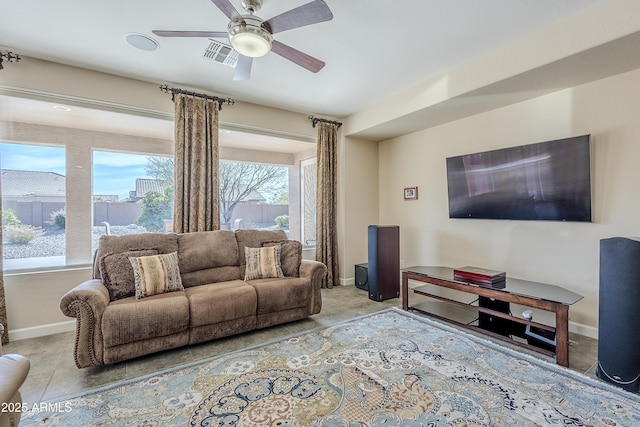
<point>252,36</point>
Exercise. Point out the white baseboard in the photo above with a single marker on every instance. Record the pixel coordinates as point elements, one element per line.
<point>42,330</point>
<point>348,281</point>
<point>587,331</point>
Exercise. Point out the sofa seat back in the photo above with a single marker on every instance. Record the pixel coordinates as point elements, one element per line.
<point>162,243</point>
<point>204,256</point>
<point>208,257</point>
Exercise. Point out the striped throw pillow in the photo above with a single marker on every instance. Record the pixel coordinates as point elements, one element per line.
<point>156,274</point>
<point>262,263</point>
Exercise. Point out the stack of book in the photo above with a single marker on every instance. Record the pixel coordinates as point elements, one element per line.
<point>481,276</point>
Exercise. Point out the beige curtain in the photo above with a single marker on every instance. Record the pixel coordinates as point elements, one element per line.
<point>326,202</point>
<point>196,165</point>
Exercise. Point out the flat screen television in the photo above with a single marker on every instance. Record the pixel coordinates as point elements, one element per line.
<point>546,181</point>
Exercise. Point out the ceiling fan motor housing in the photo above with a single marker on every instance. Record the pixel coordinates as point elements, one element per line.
<point>251,6</point>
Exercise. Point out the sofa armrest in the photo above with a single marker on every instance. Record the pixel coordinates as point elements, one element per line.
<point>13,371</point>
<point>87,302</point>
<point>315,271</point>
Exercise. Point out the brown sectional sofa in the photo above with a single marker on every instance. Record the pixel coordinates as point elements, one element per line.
<point>113,325</point>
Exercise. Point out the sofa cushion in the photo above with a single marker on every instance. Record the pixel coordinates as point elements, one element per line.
<point>156,274</point>
<point>281,294</point>
<point>163,243</point>
<point>128,320</point>
<point>290,256</point>
<point>262,263</point>
<point>117,273</point>
<point>208,257</point>
<point>221,302</point>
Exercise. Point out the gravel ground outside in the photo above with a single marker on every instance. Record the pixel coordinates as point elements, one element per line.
<point>52,242</point>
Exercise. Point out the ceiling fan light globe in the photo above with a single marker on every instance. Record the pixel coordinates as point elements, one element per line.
<point>251,44</point>
<point>249,38</point>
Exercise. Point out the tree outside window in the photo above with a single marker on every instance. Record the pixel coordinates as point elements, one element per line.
<point>128,198</point>
<point>248,188</point>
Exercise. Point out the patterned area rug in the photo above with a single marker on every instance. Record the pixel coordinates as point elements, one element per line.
<point>390,368</point>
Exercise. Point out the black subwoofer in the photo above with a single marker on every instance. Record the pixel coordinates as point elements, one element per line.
<point>619,313</point>
<point>362,276</point>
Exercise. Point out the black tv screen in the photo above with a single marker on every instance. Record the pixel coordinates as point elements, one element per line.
<point>547,181</point>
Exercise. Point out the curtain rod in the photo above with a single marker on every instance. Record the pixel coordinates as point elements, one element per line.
<point>315,120</point>
<point>173,91</point>
<point>9,56</point>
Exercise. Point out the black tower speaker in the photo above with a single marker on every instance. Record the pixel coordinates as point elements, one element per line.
<point>384,262</point>
<point>362,276</point>
<point>619,313</point>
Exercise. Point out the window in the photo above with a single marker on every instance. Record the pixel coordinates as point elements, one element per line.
<point>308,177</point>
<point>33,204</point>
<point>254,195</point>
<point>105,159</point>
<point>132,193</point>
<point>64,141</point>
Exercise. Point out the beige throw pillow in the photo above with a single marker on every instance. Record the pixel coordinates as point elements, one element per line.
<point>290,256</point>
<point>156,274</point>
<point>262,263</point>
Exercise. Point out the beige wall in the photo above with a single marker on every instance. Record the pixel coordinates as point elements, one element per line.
<point>359,205</point>
<point>33,301</point>
<point>565,254</point>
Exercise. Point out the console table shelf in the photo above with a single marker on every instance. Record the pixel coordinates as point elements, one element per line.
<point>489,313</point>
<point>467,320</point>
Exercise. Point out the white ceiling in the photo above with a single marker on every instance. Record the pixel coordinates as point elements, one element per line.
<point>373,48</point>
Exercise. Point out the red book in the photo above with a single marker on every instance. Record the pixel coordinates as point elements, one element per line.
<point>479,275</point>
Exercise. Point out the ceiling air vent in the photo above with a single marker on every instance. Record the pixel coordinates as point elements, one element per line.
<point>221,53</point>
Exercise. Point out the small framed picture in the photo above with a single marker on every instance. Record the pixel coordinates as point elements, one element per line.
<point>411,193</point>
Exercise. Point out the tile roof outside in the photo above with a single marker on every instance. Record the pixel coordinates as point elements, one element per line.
<point>16,183</point>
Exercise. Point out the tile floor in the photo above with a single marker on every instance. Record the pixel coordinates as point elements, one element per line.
<point>54,375</point>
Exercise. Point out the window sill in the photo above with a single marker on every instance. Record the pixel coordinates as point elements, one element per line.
<point>17,267</point>
<point>309,252</point>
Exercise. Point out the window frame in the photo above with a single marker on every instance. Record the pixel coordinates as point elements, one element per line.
<point>79,145</point>
<point>45,261</point>
<point>79,142</point>
<point>303,201</point>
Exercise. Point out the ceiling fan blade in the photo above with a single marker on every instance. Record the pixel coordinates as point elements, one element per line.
<point>227,8</point>
<point>302,59</point>
<point>307,14</point>
<point>163,33</point>
<point>243,68</point>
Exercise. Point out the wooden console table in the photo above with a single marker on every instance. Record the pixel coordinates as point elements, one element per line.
<point>530,294</point>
